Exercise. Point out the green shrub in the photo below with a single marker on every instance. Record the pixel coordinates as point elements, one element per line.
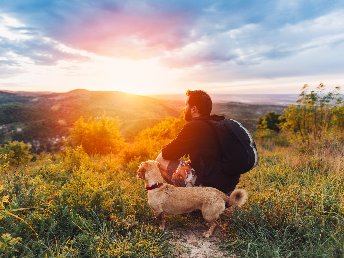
<point>73,158</point>
<point>9,244</point>
<point>15,153</point>
<point>270,121</point>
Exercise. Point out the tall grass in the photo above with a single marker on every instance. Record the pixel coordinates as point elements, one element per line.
<point>295,208</point>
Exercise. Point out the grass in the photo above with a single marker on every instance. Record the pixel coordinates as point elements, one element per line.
<point>72,205</point>
<point>77,206</point>
<point>296,207</point>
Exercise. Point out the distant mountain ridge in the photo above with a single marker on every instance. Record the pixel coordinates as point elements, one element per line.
<point>269,99</point>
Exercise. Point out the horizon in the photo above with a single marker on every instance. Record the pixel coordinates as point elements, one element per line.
<point>152,48</point>
<point>154,94</point>
<point>259,98</point>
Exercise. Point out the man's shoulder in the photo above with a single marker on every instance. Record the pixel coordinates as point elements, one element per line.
<point>193,127</point>
<point>198,124</point>
<point>195,123</point>
<point>203,120</point>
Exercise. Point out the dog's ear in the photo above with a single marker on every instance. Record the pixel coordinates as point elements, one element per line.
<point>142,167</point>
<point>141,170</point>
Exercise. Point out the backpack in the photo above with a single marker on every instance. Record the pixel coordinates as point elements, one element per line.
<point>238,152</point>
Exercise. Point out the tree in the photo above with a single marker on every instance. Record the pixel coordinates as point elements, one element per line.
<point>97,135</point>
<point>316,114</point>
<point>270,121</point>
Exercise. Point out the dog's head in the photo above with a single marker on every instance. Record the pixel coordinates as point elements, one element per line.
<point>145,167</point>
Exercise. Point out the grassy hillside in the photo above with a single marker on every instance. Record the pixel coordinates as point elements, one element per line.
<point>73,205</point>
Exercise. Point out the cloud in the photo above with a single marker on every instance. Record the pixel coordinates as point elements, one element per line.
<point>145,29</point>
<point>8,71</point>
<point>256,44</point>
<point>203,41</point>
<point>19,43</point>
<point>229,46</point>
<point>111,27</point>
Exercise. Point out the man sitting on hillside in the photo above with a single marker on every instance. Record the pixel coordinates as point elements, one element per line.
<point>199,141</point>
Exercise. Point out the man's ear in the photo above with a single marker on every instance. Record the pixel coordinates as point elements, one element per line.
<point>194,109</point>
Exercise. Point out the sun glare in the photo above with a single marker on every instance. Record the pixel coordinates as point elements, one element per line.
<point>131,76</point>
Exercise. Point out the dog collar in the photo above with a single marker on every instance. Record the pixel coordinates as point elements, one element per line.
<point>154,186</point>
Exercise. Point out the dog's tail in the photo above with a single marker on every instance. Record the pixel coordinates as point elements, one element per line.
<point>236,199</point>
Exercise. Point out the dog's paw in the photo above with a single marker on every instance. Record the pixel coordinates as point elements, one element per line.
<point>206,234</point>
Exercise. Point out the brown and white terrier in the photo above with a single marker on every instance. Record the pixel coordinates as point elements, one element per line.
<point>165,198</point>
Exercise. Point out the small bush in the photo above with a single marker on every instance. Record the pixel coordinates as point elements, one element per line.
<point>15,153</point>
<point>97,135</point>
<point>9,244</point>
<point>148,143</point>
<point>73,158</point>
<point>270,121</point>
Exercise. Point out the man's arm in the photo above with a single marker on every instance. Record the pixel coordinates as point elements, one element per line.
<point>178,147</point>
<point>182,144</point>
<point>163,162</point>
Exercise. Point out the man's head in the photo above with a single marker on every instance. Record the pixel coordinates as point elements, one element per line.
<point>197,104</point>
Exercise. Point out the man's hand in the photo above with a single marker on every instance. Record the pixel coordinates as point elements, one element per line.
<point>179,175</point>
<point>178,179</point>
<point>163,162</point>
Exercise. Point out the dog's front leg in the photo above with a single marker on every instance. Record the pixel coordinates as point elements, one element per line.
<point>209,233</point>
<point>161,218</point>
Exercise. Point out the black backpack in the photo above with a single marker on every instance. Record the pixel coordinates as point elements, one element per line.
<point>238,152</point>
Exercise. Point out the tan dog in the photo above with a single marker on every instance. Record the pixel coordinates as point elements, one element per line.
<point>164,198</point>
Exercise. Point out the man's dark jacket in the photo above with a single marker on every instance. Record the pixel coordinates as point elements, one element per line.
<point>198,140</point>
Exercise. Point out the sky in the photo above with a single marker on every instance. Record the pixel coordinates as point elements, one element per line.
<point>161,47</point>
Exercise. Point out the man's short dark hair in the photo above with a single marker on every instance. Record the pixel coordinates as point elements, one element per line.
<point>201,100</point>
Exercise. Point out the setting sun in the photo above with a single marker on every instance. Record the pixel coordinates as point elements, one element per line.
<point>131,76</point>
